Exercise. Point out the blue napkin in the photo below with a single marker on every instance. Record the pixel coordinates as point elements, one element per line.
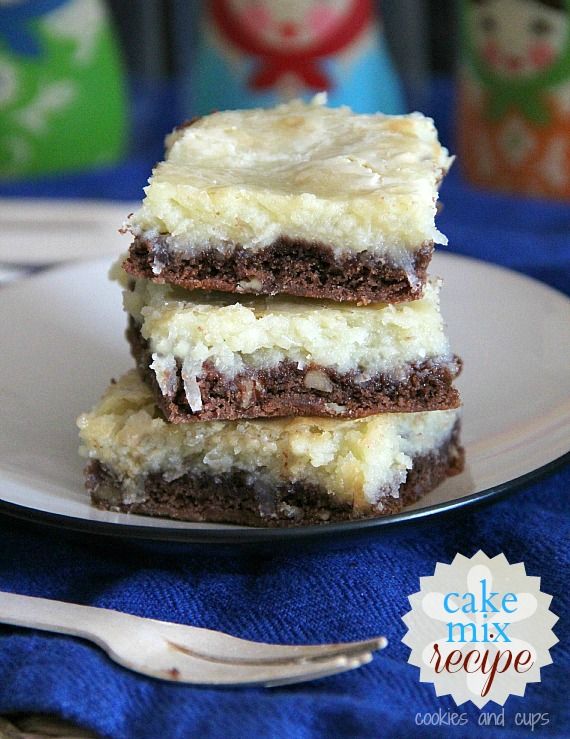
<point>294,596</point>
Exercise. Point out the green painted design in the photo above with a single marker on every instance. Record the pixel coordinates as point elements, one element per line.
<point>527,95</point>
<point>61,112</point>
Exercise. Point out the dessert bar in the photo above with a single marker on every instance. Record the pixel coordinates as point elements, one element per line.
<point>272,472</point>
<point>299,199</point>
<point>214,356</point>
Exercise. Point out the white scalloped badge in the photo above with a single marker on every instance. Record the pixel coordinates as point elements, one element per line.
<point>480,629</point>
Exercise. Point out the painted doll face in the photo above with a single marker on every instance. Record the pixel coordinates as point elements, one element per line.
<point>289,24</point>
<point>517,38</point>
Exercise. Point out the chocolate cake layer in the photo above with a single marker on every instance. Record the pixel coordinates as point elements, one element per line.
<point>233,498</point>
<point>288,266</point>
<point>287,390</point>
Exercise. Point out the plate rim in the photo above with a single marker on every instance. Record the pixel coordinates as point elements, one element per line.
<point>252,535</point>
<point>244,536</point>
<point>86,209</point>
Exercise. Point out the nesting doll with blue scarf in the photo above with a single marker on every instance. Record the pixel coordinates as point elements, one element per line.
<point>261,52</point>
<point>514,108</point>
<point>62,99</point>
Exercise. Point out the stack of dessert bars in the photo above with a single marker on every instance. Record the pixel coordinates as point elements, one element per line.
<point>292,364</point>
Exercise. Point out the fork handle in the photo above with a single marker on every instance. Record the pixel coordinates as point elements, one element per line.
<point>51,615</point>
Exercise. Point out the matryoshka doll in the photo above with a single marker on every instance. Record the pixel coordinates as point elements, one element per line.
<point>514,96</point>
<point>261,52</point>
<point>62,93</point>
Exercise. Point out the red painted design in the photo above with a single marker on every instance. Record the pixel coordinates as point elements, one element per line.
<point>275,62</point>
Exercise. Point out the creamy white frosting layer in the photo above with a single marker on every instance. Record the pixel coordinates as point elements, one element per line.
<point>236,334</point>
<point>301,170</point>
<point>360,460</point>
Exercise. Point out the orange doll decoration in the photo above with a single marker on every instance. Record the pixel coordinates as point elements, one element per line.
<point>514,95</point>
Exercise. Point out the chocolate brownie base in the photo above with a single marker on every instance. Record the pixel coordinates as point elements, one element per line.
<point>286,390</point>
<point>292,267</point>
<point>234,498</point>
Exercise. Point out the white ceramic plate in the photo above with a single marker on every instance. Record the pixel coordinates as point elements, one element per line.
<point>62,341</point>
<point>36,232</point>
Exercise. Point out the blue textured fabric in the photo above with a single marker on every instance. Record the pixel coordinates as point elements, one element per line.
<point>293,595</point>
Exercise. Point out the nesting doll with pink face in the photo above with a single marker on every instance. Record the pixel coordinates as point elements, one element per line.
<point>514,123</point>
<point>260,52</point>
